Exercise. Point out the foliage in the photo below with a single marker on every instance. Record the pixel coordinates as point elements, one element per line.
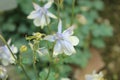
<point>90,32</point>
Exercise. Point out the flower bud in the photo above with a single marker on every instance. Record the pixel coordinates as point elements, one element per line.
<point>23,48</point>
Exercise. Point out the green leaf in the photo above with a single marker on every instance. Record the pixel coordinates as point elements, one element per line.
<point>98,42</point>
<point>22,28</point>
<point>43,74</point>
<point>80,58</point>
<point>8,27</point>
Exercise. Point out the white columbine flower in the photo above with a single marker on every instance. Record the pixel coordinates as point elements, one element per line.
<point>65,42</point>
<point>3,73</point>
<point>94,76</point>
<point>41,15</point>
<point>6,56</point>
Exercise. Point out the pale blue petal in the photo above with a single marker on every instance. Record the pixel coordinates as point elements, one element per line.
<point>48,5</point>
<point>60,26</point>
<point>68,48</point>
<point>51,15</point>
<point>33,15</point>
<point>69,31</point>
<point>36,6</point>
<point>57,49</point>
<point>50,38</point>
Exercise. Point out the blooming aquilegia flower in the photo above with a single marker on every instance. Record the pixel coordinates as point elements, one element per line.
<point>65,42</point>
<point>3,73</point>
<point>94,76</point>
<point>5,55</point>
<point>41,15</point>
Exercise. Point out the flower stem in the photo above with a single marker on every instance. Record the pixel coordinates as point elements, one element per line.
<point>34,66</point>
<point>49,69</point>
<point>73,5</point>
<point>4,41</point>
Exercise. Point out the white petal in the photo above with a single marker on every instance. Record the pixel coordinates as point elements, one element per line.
<point>48,5</point>
<point>37,21</point>
<point>69,31</point>
<point>68,48</point>
<point>74,40</point>
<point>14,49</point>
<point>36,6</point>
<point>9,41</point>
<point>44,21</point>
<point>33,15</point>
<point>57,49</point>
<point>60,26</point>
<point>51,15</point>
<point>5,62</point>
<point>50,38</point>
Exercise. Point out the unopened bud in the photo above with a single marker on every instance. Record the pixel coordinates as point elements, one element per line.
<point>23,48</point>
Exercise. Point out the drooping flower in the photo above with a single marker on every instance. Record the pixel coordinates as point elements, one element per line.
<point>6,56</point>
<point>41,51</point>
<point>94,76</point>
<point>3,73</point>
<point>41,15</point>
<point>65,42</point>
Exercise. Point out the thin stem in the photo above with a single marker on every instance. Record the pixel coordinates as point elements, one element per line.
<point>48,25</point>
<point>58,9</point>
<point>73,5</point>
<point>4,41</point>
<point>34,66</point>
<point>48,72</point>
<point>25,72</point>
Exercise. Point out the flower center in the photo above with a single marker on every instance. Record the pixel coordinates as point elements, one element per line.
<point>59,36</point>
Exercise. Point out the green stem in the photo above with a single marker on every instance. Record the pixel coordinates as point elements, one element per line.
<point>73,5</point>
<point>58,9</point>
<point>48,72</point>
<point>25,72</point>
<point>34,66</point>
<point>4,41</point>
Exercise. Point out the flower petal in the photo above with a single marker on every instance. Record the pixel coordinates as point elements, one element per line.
<point>60,26</point>
<point>37,21</point>
<point>57,49</point>
<point>44,21</point>
<point>33,15</point>
<point>69,31</point>
<point>51,15</point>
<point>48,5</point>
<point>68,48</point>
<point>36,6</point>
<point>50,38</point>
<point>74,40</point>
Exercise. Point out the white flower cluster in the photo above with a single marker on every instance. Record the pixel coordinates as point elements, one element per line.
<point>65,41</point>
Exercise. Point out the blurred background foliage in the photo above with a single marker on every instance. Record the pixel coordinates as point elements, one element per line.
<point>92,30</point>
